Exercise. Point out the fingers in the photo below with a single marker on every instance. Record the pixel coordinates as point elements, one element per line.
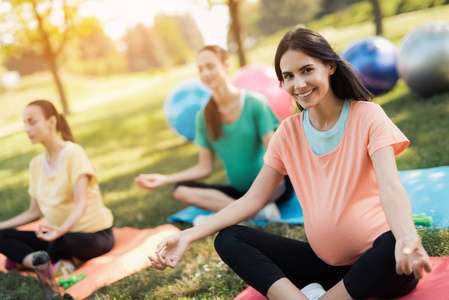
<point>161,263</point>
<point>156,264</point>
<point>144,183</point>
<point>161,245</point>
<point>415,263</point>
<point>171,262</point>
<point>417,270</point>
<point>427,265</point>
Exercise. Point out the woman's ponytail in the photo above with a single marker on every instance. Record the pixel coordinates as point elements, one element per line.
<point>63,127</point>
<point>213,119</point>
<point>61,123</point>
<point>211,114</point>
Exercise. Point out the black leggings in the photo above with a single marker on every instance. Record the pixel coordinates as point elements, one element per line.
<point>233,193</point>
<point>262,258</point>
<point>16,244</point>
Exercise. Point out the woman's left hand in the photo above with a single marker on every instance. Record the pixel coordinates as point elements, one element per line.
<point>411,257</point>
<point>49,233</point>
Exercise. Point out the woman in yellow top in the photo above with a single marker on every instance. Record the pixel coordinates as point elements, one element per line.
<point>64,190</point>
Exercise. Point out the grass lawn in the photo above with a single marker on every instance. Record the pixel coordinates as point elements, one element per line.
<point>129,135</point>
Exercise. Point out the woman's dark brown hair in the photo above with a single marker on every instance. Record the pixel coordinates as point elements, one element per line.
<point>344,82</point>
<point>211,113</point>
<point>61,123</point>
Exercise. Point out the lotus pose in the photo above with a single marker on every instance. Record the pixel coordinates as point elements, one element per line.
<point>339,153</point>
<point>237,125</point>
<point>64,190</point>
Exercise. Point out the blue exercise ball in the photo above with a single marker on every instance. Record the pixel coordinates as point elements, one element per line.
<point>374,60</point>
<point>183,103</point>
<point>423,59</point>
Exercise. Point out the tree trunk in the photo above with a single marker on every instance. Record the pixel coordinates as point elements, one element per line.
<point>236,30</point>
<point>50,56</point>
<point>377,16</point>
<point>55,72</point>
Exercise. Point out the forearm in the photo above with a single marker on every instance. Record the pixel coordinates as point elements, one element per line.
<point>74,217</point>
<point>236,212</point>
<point>24,218</point>
<point>194,173</point>
<point>394,198</point>
<point>398,211</point>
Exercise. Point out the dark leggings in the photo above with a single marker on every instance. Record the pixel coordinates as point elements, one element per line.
<point>16,244</point>
<point>233,193</point>
<point>262,258</point>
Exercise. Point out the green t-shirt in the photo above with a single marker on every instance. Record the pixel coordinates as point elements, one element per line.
<point>240,147</point>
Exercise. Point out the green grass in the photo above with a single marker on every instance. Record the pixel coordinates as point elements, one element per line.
<point>129,135</point>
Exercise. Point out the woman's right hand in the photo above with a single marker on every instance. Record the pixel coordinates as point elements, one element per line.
<point>170,251</point>
<point>150,181</point>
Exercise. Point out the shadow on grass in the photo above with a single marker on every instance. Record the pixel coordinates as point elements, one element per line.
<point>425,122</point>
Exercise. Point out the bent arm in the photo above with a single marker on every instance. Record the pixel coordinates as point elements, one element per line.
<point>410,254</point>
<point>201,170</point>
<point>30,215</point>
<point>80,197</point>
<point>171,250</point>
<point>50,232</point>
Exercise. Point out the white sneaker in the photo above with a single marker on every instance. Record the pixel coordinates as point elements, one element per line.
<point>201,218</point>
<point>313,291</point>
<point>270,212</point>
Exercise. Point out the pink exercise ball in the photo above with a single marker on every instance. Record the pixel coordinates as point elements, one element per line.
<point>262,78</point>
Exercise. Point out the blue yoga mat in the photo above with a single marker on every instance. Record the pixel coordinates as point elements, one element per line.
<point>290,210</point>
<point>428,190</point>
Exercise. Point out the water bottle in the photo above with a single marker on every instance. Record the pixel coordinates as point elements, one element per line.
<point>42,267</point>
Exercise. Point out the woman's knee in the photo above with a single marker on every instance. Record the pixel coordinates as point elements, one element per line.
<point>183,194</point>
<point>57,250</point>
<point>226,239</point>
<point>383,248</point>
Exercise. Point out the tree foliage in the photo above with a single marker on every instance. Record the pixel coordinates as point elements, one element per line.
<point>40,29</point>
<point>92,52</point>
<point>176,47</point>
<point>91,40</point>
<point>189,31</point>
<point>281,14</point>
<point>172,40</point>
<point>144,49</point>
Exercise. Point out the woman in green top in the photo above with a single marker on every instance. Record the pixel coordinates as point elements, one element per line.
<point>235,124</point>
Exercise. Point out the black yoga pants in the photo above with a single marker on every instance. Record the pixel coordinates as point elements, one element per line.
<point>262,258</point>
<point>233,193</point>
<point>16,244</point>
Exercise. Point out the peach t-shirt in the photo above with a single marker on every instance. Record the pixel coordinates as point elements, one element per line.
<point>338,191</point>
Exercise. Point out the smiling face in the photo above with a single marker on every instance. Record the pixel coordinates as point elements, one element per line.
<point>306,78</point>
<point>211,69</point>
<point>36,125</point>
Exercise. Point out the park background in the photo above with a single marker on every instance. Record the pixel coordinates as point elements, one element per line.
<point>114,89</point>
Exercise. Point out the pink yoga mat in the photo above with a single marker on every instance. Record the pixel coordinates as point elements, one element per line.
<point>129,255</point>
<point>434,286</point>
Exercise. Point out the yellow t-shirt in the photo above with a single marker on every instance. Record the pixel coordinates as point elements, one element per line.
<point>55,194</point>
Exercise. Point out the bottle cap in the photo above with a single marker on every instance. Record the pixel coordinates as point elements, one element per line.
<point>40,257</point>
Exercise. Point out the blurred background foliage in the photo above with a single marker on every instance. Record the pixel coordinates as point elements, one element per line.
<point>173,39</point>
